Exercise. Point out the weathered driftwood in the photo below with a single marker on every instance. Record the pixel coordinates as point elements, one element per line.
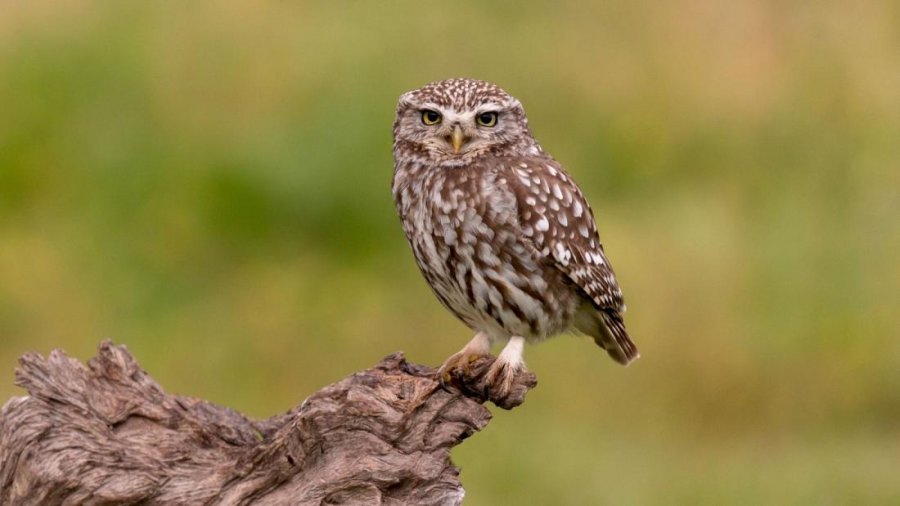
<point>106,433</point>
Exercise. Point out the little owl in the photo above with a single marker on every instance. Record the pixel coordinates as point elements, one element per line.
<point>499,229</point>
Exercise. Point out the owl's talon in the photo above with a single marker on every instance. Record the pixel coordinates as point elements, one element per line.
<point>499,380</point>
<point>458,365</point>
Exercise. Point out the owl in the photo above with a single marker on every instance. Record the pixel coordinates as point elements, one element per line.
<point>500,231</point>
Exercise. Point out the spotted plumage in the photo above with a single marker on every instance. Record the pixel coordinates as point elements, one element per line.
<point>500,231</point>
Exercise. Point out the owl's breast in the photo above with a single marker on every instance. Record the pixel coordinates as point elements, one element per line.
<point>464,233</point>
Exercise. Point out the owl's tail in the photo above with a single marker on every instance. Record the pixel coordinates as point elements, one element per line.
<point>608,330</point>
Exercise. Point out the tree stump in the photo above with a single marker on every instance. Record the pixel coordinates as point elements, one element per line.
<point>107,433</point>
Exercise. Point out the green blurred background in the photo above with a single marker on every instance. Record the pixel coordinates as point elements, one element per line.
<point>209,183</point>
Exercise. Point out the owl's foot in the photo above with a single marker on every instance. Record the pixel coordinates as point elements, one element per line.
<point>459,366</point>
<point>500,378</point>
<point>460,363</point>
<point>507,380</point>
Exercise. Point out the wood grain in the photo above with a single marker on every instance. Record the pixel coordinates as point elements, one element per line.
<point>106,433</point>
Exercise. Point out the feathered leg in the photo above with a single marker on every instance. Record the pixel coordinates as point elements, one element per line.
<point>503,371</point>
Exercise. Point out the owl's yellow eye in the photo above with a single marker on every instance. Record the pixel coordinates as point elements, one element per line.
<point>430,117</point>
<point>487,119</point>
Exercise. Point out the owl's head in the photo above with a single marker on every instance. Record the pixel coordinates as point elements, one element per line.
<point>455,121</point>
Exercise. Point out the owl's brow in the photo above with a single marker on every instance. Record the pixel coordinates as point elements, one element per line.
<point>491,106</point>
<point>432,106</point>
<point>449,110</point>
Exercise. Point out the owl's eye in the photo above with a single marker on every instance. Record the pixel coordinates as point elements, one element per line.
<point>430,117</point>
<point>487,119</point>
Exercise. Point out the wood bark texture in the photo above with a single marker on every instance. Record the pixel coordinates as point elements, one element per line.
<point>106,433</point>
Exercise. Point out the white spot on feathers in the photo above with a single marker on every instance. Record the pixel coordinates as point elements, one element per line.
<point>556,191</point>
<point>562,254</point>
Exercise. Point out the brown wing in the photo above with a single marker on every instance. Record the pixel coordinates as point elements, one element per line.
<point>554,214</point>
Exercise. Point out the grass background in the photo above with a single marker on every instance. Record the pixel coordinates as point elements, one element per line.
<point>208,183</point>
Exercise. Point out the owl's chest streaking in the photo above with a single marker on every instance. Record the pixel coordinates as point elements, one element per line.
<point>463,226</point>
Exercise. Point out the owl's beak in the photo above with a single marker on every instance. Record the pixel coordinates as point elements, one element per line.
<point>457,138</point>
